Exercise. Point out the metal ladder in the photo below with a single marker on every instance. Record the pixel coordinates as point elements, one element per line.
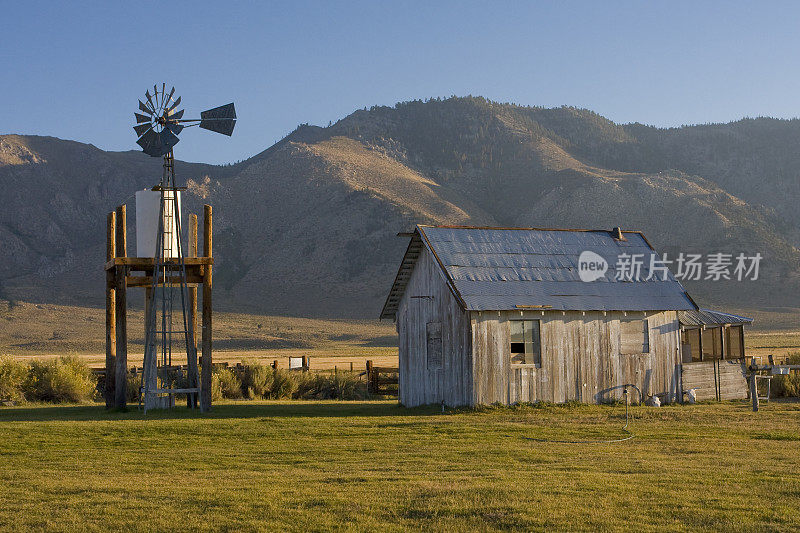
<point>168,265</point>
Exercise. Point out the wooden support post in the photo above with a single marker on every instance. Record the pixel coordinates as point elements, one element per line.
<point>205,395</point>
<point>369,375</point>
<point>120,274</point>
<point>111,327</point>
<point>191,399</point>
<point>151,370</point>
<point>753,384</point>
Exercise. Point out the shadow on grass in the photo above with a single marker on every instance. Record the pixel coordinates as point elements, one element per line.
<point>300,409</point>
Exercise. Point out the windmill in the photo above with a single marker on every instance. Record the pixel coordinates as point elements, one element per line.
<point>157,128</point>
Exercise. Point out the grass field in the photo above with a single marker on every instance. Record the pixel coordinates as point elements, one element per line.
<point>304,466</point>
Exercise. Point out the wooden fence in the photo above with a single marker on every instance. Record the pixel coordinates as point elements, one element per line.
<point>382,380</point>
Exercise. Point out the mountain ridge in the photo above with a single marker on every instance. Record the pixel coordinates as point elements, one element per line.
<point>307,227</point>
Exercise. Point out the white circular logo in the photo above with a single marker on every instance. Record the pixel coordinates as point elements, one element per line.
<point>591,266</point>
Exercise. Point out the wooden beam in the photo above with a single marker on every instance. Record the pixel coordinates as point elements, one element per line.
<point>149,367</point>
<point>147,281</point>
<point>121,363</point>
<point>121,304</point>
<point>122,234</point>
<point>143,263</point>
<point>111,329</point>
<point>205,392</point>
<point>194,377</point>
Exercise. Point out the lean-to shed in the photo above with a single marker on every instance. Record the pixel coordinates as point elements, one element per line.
<point>489,315</point>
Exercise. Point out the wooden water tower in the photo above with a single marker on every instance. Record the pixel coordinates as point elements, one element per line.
<point>123,272</point>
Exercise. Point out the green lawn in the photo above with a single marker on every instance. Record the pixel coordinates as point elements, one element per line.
<point>376,466</point>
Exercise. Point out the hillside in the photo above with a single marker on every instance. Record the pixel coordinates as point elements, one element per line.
<point>308,226</point>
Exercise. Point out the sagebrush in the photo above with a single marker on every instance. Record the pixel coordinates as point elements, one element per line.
<point>787,385</point>
<point>12,379</point>
<point>65,379</point>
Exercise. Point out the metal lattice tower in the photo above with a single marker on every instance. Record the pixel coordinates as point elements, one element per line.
<point>158,130</point>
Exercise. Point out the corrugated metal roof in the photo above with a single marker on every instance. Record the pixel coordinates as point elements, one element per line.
<point>504,269</point>
<point>707,317</point>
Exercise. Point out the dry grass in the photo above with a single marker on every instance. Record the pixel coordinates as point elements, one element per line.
<point>29,331</point>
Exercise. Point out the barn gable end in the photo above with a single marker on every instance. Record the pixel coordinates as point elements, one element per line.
<point>434,341</point>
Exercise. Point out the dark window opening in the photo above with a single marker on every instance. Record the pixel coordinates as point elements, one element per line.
<point>526,346</point>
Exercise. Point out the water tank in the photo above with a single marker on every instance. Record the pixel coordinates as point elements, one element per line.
<point>147,211</point>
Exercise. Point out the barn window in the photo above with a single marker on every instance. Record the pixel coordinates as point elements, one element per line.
<point>526,346</point>
<point>434,345</point>
<point>712,344</point>
<point>735,348</point>
<point>634,336</point>
<point>691,338</point>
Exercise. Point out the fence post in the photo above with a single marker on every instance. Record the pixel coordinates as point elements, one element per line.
<point>753,385</point>
<point>369,375</point>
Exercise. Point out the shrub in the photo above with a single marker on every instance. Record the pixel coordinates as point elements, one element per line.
<point>257,380</point>
<point>308,385</point>
<point>229,383</point>
<point>66,379</point>
<point>134,382</point>
<point>787,385</point>
<point>216,388</point>
<point>12,379</point>
<point>337,386</point>
<point>347,386</point>
<point>284,384</point>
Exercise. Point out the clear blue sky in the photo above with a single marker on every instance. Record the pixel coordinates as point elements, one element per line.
<point>75,70</point>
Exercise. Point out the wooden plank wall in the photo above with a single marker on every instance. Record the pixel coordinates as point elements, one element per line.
<point>427,298</point>
<point>581,358</point>
<point>700,376</point>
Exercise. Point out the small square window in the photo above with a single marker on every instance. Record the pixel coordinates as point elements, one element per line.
<point>526,346</point>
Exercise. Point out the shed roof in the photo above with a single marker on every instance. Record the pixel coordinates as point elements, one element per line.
<point>707,317</point>
<point>513,268</point>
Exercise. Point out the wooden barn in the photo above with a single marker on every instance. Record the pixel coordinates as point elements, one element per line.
<point>496,315</point>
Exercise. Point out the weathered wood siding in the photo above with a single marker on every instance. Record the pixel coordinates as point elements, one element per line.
<point>705,376</point>
<point>428,299</point>
<point>581,358</point>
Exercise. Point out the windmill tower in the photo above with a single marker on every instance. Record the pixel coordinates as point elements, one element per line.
<point>169,314</point>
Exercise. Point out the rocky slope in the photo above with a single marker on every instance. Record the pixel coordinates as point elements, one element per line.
<point>308,226</point>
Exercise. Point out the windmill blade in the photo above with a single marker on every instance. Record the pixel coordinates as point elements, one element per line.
<point>177,115</point>
<point>174,128</point>
<point>175,104</point>
<point>221,119</point>
<point>150,99</point>
<point>141,129</point>
<point>151,144</point>
<point>144,109</point>
<point>169,97</point>
<point>141,118</point>
<point>168,139</point>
